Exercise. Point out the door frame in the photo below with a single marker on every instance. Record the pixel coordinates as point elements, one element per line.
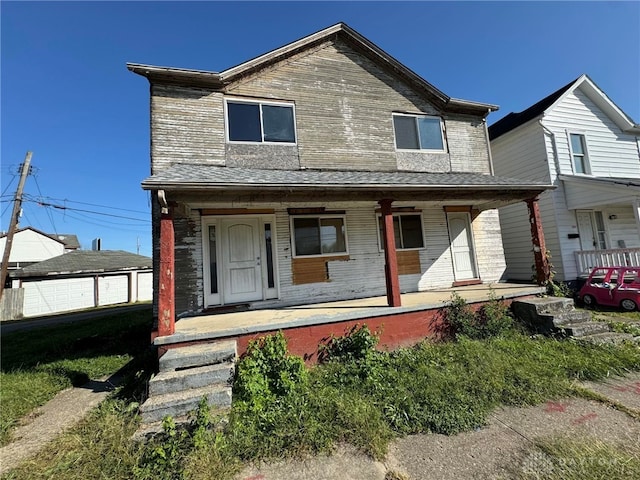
<point>594,228</point>
<point>472,246</point>
<point>268,293</point>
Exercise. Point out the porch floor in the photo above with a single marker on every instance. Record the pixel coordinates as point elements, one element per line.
<point>211,326</point>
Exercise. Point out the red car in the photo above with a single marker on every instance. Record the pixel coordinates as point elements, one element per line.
<point>612,286</point>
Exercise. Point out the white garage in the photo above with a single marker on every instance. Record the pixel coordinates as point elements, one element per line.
<point>46,297</point>
<point>83,279</point>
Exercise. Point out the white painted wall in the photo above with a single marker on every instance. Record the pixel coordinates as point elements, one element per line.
<point>31,246</point>
<point>530,152</point>
<point>363,274</point>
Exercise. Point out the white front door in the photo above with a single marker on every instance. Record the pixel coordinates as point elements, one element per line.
<point>585,227</point>
<point>241,260</point>
<point>464,264</point>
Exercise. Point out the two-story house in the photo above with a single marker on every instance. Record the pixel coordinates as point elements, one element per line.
<point>322,171</point>
<point>580,141</point>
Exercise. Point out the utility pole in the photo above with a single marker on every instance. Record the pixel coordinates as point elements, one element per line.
<point>17,203</point>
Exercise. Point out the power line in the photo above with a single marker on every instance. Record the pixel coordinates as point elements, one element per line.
<point>67,214</point>
<point>64,207</point>
<point>35,178</point>
<point>8,185</point>
<point>95,205</point>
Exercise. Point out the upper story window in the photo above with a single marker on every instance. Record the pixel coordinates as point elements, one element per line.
<point>319,235</point>
<point>260,122</point>
<point>407,231</point>
<point>579,156</point>
<point>418,132</point>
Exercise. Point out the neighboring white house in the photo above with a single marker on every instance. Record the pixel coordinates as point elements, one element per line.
<point>580,141</point>
<point>30,246</point>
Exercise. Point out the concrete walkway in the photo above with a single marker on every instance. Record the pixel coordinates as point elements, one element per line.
<point>503,449</point>
<point>47,422</point>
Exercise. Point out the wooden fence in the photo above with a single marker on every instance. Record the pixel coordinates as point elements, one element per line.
<point>11,304</point>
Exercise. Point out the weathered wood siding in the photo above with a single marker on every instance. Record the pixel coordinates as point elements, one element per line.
<point>11,304</point>
<point>187,126</point>
<point>343,105</point>
<point>359,275</point>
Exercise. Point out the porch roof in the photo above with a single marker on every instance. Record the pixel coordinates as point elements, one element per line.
<point>199,177</point>
<point>588,192</point>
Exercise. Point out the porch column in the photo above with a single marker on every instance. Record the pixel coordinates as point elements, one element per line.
<point>636,212</point>
<point>390,259</point>
<point>166,277</point>
<point>537,239</point>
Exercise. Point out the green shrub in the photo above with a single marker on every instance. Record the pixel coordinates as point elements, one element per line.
<point>358,344</point>
<point>491,320</point>
<point>267,371</point>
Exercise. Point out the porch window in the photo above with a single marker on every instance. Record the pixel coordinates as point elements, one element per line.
<point>418,132</point>
<point>579,153</point>
<point>260,122</point>
<point>316,236</point>
<point>407,230</point>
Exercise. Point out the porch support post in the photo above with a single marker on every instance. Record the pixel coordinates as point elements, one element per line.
<point>636,212</point>
<point>166,278</point>
<point>390,258</point>
<point>543,272</point>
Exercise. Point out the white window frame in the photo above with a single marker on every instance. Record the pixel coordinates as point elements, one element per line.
<point>216,220</point>
<point>259,103</point>
<point>416,116</point>
<point>400,214</point>
<point>586,161</point>
<point>318,216</point>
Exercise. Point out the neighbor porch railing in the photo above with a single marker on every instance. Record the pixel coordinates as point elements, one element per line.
<point>587,259</point>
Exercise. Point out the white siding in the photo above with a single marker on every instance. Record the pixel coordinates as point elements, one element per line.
<point>611,152</point>
<point>363,274</point>
<point>623,228</point>
<point>31,246</point>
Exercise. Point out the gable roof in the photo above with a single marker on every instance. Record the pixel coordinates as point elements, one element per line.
<point>39,232</point>
<point>86,261</point>
<point>340,30</point>
<point>514,120</point>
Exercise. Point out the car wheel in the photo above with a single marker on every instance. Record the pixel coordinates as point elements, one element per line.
<point>588,300</point>
<point>628,305</point>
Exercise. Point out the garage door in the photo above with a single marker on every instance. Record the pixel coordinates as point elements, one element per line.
<point>46,297</point>
<point>145,286</point>
<point>113,289</point>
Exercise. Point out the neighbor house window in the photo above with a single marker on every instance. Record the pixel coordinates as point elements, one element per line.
<point>407,230</point>
<point>579,153</point>
<point>319,236</point>
<point>418,132</point>
<point>260,122</point>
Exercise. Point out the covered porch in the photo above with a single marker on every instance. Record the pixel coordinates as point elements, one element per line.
<point>607,213</point>
<point>306,326</point>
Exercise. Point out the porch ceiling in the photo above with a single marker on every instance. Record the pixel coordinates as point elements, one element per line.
<point>484,191</point>
<point>589,192</point>
<point>207,327</point>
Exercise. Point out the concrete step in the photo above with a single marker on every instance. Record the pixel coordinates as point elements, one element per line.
<point>175,381</point>
<point>614,338</point>
<point>585,328</point>
<point>531,309</point>
<point>573,317</point>
<point>198,355</point>
<point>179,404</point>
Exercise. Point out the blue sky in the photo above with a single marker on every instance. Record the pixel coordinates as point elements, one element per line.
<point>67,96</point>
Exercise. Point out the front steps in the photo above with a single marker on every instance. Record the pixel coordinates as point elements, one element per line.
<point>186,374</point>
<point>557,316</point>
